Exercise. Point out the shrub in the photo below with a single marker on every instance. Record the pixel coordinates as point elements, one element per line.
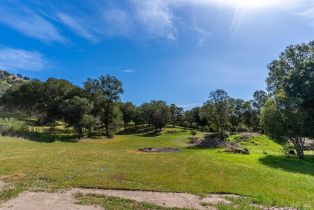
<point>185,124</point>
<point>111,134</point>
<point>13,127</point>
<point>194,125</point>
<point>204,128</point>
<point>225,134</point>
<point>286,149</point>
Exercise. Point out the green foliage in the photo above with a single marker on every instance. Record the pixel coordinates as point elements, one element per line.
<point>290,113</point>
<point>194,125</point>
<point>8,81</point>
<point>156,113</point>
<point>128,111</point>
<point>105,93</point>
<point>260,98</point>
<point>233,138</point>
<point>293,74</point>
<point>176,114</point>
<point>77,113</point>
<point>13,127</point>
<point>217,109</point>
<point>185,124</point>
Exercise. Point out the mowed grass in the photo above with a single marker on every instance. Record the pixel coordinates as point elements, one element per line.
<point>269,179</point>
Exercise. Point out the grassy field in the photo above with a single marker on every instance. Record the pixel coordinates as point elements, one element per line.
<point>265,175</point>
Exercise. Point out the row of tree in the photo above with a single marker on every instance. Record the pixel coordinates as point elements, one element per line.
<point>96,107</point>
<point>285,112</point>
<point>93,107</point>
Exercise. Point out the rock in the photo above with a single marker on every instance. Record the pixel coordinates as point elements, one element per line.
<point>148,149</point>
<point>238,150</point>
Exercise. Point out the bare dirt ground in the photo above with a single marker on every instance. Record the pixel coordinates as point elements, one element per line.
<point>45,201</point>
<point>65,200</point>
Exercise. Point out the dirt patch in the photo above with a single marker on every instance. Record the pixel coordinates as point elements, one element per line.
<point>246,135</point>
<point>47,201</point>
<point>211,143</point>
<point>171,200</point>
<point>66,200</point>
<point>3,185</point>
<point>148,149</point>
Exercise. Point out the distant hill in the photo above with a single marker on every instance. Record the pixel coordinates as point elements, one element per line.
<point>8,80</point>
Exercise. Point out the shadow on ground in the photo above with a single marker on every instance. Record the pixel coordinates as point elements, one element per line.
<point>291,164</point>
<point>139,131</point>
<point>134,130</point>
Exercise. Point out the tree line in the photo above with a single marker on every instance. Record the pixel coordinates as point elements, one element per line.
<point>285,111</point>
<point>96,108</point>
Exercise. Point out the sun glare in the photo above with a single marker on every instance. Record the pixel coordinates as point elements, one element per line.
<point>253,4</point>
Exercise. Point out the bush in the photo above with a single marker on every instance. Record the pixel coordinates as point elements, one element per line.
<point>13,127</point>
<point>226,134</point>
<point>194,125</point>
<point>111,134</point>
<point>193,132</point>
<point>286,148</point>
<point>243,129</point>
<point>205,128</point>
<point>185,124</point>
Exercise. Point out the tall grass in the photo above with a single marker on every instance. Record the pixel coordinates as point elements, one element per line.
<point>13,127</point>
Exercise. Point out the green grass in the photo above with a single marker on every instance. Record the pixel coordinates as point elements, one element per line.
<point>270,179</point>
<point>233,138</point>
<point>113,203</point>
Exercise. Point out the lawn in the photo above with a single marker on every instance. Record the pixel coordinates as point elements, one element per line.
<point>264,175</point>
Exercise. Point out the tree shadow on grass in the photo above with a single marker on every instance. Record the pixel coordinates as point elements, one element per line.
<point>139,131</point>
<point>45,136</point>
<point>149,134</point>
<point>134,130</point>
<point>291,164</point>
<point>49,138</point>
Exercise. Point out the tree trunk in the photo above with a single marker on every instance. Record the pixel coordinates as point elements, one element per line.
<point>298,143</point>
<point>107,129</point>
<point>80,133</point>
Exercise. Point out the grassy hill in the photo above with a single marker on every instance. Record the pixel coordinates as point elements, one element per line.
<point>8,80</point>
<point>266,175</point>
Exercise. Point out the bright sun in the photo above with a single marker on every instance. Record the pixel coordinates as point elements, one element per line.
<point>250,3</point>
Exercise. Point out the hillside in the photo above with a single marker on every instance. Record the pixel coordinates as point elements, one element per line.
<point>8,80</point>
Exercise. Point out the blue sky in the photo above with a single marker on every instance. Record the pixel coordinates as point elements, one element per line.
<point>174,50</point>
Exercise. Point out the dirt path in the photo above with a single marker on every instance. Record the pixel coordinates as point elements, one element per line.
<point>45,201</point>
<point>66,200</point>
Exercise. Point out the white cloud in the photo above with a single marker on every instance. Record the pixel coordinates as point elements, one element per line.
<point>127,70</point>
<point>156,17</point>
<point>18,59</point>
<point>77,27</point>
<point>139,20</point>
<point>31,24</point>
<point>249,4</point>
